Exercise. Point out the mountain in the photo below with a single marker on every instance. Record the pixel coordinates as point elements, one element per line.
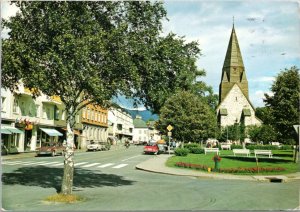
<point>146,114</point>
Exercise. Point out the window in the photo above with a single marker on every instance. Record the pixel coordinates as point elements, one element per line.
<point>140,131</point>
<point>2,103</point>
<point>56,113</point>
<point>16,106</point>
<point>92,115</point>
<point>23,111</point>
<point>83,113</point>
<point>48,111</point>
<point>88,114</point>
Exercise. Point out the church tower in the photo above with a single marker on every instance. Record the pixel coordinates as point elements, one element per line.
<point>233,71</point>
<point>234,104</point>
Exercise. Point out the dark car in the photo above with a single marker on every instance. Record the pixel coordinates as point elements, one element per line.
<point>51,149</point>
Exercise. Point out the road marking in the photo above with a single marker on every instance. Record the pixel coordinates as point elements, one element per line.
<point>58,164</point>
<point>120,166</point>
<point>48,163</point>
<point>131,157</point>
<point>12,163</point>
<point>106,165</point>
<point>35,163</point>
<point>89,165</point>
<point>77,164</point>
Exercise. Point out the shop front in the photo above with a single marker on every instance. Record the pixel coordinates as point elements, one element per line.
<point>48,136</point>
<point>10,139</point>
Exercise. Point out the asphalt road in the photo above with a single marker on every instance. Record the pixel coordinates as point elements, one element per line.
<point>108,180</point>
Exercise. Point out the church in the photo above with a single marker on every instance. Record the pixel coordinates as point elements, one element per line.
<point>234,103</point>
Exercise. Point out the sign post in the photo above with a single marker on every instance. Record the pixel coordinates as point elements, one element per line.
<point>296,150</point>
<point>169,128</point>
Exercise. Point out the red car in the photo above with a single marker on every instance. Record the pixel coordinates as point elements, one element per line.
<point>148,149</point>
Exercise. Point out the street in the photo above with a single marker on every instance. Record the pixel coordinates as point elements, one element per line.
<point>108,180</point>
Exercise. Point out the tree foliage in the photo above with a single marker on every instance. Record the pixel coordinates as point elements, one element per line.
<point>284,104</point>
<point>234,132</point>
<point>190,115</point>
<point>87,52</point>
<point>264,133</point>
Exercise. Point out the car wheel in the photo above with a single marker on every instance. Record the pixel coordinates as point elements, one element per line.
<point>53,153</point>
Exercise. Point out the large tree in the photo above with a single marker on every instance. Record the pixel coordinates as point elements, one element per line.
<point>284,104</point>
<point>190,115</point>
<point>88,52</point>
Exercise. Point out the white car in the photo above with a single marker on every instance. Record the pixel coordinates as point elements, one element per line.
<point>94,146</point>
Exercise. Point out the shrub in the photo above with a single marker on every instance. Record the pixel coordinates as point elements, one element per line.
<point>263,147</point>
<point>234,146</point>
<point>181,152</point>
<point>196,150</point>
<point>286,147</point>
<point>231,170</point>
<point>191,145</point>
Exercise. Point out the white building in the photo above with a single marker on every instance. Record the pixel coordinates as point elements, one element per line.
<point>141,133</point>
<point>120,125</point>
<point>27,123</point>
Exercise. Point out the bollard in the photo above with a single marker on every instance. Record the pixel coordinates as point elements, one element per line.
<point>208,169</point>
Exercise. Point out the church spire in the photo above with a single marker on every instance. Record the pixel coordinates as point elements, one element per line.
<point>233,71</point>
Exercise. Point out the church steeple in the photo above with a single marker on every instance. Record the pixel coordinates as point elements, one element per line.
<point>233,71</point>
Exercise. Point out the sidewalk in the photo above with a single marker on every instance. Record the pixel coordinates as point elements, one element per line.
<point>157,164</point>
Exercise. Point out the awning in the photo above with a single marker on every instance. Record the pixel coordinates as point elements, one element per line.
<point>51,132</point>
<point>7,129</point>
<point>4,131</point>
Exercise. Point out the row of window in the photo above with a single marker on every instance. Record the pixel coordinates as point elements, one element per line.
<point>94,115</point>
<point>96,133</point>
<point>48,112</point>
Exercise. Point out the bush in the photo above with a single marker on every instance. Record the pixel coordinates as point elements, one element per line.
<point>263,147</point>
<point>181,152</point>
<point>196,150</point>
<point>191,145</point>
<point>234,146</point>
<point>286,147</point>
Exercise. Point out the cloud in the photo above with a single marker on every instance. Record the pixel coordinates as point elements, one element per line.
<point>268,36</point>
<point>258,97</point>
<point>8,10</point>
<point>262,79</point>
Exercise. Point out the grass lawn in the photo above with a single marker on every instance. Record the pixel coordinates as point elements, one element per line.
<point>281,158</point>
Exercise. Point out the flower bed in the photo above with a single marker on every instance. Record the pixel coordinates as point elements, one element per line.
<point>231,170</point>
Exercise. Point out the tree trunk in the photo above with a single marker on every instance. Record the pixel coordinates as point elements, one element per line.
<point>67,182</point>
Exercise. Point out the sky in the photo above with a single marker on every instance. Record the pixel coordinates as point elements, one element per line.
<point>268,33</point>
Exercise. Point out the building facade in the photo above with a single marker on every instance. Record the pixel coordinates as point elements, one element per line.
<point>120,126</point>
<point>141,133</point>
<point>234,104</point>
<point>27,123</point>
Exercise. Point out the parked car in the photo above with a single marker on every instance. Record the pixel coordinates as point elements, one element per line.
<point>105,145</point>
<point>151,149</point>
<point>51,149</point>
<point>94,146</point>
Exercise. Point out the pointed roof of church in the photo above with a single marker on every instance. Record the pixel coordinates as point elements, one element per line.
<point>233,56</point>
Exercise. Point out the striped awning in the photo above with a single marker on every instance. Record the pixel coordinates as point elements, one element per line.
<point>51,132</point>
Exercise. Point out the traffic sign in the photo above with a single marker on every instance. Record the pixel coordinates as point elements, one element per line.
<point>297,127</point>
<point>169,127</point>
<point>169,134</point>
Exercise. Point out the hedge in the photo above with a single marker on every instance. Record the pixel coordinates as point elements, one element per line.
<point>181,152</point>
<point>196,150</point>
